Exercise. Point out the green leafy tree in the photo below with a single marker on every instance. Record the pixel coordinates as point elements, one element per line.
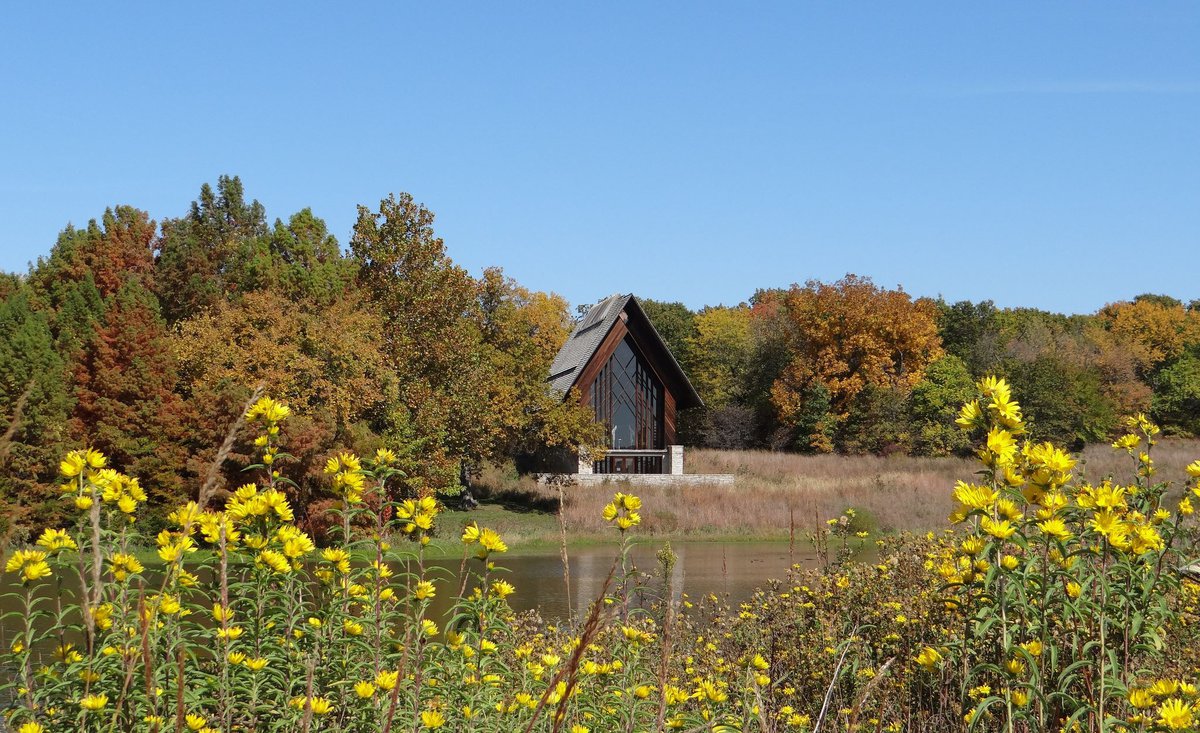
<point>1062,403</point>
<point>1176,403</point>
<point>934,404</point>
<point>878,422</point>
<point>197,253</point>
<point>676,323</point>
<point>430,333</point>
<point>34,393</point>
<point>967,331</point>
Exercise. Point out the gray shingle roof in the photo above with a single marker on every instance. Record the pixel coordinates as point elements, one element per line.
<point>584,341</point>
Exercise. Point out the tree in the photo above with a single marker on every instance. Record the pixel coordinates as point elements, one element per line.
<point>877,422</point>
<point>431,334</point>
<point>963,328</point>
<point>521,332</point>
<point>849,335</point>
<point>125,403</point>
<point>720,352</point>
<point>676,323</point>
<point>1062,404</point>
<point>1176,404</point>
<point>1157,329</point>
<point>934,404</point>
<point>34,393</point>
<point>197,253</point>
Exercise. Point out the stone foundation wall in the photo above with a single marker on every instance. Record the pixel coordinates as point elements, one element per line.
<point>643,479</point>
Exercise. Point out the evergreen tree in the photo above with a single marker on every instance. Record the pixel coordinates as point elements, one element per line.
<point>35,401</point>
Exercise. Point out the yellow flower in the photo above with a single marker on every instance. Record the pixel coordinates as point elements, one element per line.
<point>56,539</point>
<point>364,689</point>
<point>94,702</point>
<point>339,557</point>
<point>276,561</point>
<point>1074,589</point>
<point>490,542</point>
<point>1000,449</point>
<point>432,719</point>
<point>169,605</point>
<point>31,727</point>
<point>83,503</point>
<point>1002,529</point>
<point>102,616</point>
<point>195,722</point>
<point>353,628</point>
<point>929,658</point>
<point>122,565</point>
<point>970,416</point>
<point>320,706</point>
<point>1175,714</point>
<point>1141,698</point>
<point>503,588</point>
<point>974,497</point>
<point>1056,528</point>
<point>424,590</point>
<point>1193,469</point>
<point>268,410</point>
<point>72,465</point>
<point>387,679</point>
<point>256,664</point>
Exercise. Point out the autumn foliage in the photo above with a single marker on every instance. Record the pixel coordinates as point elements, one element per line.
<point>146,341</point>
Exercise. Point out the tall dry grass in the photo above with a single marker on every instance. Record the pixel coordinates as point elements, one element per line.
<point>770,490</point>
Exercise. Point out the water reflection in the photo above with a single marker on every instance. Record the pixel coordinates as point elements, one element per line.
<point>722,568</point>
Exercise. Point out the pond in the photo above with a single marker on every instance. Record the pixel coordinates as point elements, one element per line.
<point>732,570</point>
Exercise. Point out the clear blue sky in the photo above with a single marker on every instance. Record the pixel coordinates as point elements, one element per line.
<point>1039,154</point>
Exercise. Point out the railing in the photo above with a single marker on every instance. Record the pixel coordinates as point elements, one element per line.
<point>632,460</point>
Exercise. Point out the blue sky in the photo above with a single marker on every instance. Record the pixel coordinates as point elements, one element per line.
<point>1035,154</point>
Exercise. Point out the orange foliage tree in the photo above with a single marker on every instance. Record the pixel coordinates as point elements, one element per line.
<point>846,336</point>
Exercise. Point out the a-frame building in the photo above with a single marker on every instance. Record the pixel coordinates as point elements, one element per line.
<point>623,369</point>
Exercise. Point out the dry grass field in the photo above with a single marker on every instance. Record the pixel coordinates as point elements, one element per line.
<point>771,490</point>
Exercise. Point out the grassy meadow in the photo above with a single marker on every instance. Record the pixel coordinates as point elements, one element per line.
<point>891,494</point>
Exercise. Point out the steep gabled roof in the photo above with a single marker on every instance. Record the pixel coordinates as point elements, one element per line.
<point>591,331</point>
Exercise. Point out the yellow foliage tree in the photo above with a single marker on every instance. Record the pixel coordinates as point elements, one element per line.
<point>720,353</point>
<point>1157,329</point>
<point>319,359</point>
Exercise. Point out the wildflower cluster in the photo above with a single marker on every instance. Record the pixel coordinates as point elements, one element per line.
<point>1061,585</point>
<point>1053,605</point>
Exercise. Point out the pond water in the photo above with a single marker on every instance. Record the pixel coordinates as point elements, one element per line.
<point>732,570</point>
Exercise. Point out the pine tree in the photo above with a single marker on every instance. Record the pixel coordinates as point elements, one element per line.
<point>35,402</point>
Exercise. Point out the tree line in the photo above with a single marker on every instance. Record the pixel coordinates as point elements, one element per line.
<point>856,368</point>
<point>145,340</point>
